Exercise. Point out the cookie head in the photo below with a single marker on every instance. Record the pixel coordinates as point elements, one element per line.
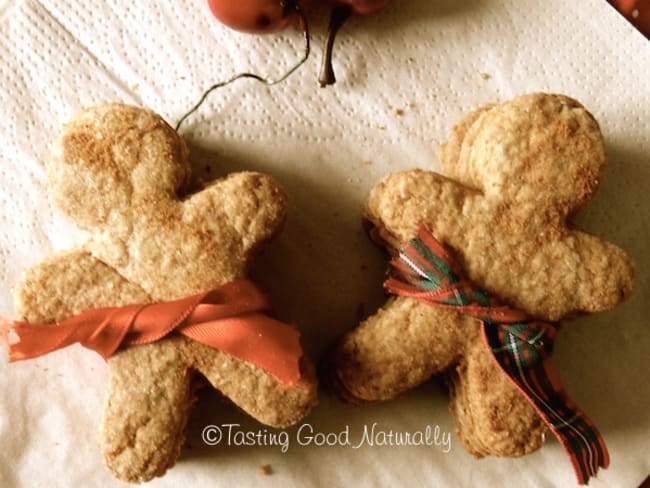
<point>537,148</point>
<point>112,159</point>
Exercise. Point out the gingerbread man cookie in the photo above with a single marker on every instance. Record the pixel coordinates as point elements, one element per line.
<point>121,173</point>
<point>514,173</point>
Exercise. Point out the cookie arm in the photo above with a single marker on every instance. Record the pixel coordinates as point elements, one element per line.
<point>605,274</point>
<point>401,202</point>
<point>251,205</point>
<point>69,283</point>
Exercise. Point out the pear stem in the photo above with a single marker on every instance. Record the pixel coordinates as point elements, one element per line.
<point>339,15</point>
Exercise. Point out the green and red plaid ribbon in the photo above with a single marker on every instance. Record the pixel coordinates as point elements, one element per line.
<point>522,347</point>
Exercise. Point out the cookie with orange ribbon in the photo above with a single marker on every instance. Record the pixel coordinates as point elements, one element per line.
<point>160,287</point>
<point>486,262</point>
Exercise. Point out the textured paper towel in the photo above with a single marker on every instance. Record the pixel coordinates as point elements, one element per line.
<point>405,76</point>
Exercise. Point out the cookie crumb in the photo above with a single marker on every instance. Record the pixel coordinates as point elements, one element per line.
<point>484,76</point>
<point>266,469</point>
<point>399,112</point>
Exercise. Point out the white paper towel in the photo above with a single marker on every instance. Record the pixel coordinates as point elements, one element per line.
<point>405,76</point>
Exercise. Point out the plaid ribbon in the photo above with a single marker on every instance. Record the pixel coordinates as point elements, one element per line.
<point>522,347</point>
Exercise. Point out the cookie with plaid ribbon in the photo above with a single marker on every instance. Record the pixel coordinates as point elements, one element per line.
<point>161,257</point>
<point>486,263</point>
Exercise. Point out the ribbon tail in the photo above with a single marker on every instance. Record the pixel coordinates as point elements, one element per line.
<point>539,384</point>
<point>35,339</point>
<point>100,330</point>
<point>255,338</point>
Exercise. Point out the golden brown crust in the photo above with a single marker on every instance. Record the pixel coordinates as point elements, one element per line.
<point>514,174</point>
<point>121,173</point>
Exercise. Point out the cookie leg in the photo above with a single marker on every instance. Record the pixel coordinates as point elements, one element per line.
<point>396,349</point>
<point>253,390</point>
<point>146,410</point>
<point>492,417</point>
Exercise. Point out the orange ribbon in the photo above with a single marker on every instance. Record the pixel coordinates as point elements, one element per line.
<point>228,318</point>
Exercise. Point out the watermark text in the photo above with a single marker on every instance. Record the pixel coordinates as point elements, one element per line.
<point>372,435</point>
